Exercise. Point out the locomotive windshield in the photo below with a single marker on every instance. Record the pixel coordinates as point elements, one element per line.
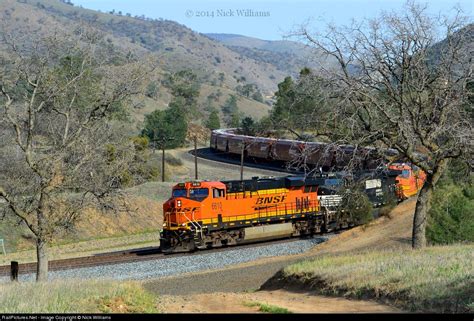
<point>198,194</point>
<point>179,193</point>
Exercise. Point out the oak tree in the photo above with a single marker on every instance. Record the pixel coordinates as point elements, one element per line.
<point>60,94</point>
<point>402,81</point>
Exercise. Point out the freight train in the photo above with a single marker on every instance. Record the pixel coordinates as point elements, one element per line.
<point>324,156</point>
<point>204,214</point>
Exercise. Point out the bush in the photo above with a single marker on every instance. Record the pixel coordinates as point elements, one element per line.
<point>357,205</point>
<point>213,121</point>
<point>451,217</point>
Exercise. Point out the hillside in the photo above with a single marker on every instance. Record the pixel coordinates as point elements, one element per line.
<point>177,45</point>
<point>287,56</point>
<point>174,46</point>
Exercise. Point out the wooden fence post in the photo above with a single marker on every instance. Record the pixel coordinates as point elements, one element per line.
<point>14,271</point>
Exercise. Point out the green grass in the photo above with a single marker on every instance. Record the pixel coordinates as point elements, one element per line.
<point>268,308</point>
<point>76,297</point>
<point>435,279</point>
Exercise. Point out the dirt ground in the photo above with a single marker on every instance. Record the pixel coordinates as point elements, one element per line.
<point>303,302</point>
<point>384,233</point>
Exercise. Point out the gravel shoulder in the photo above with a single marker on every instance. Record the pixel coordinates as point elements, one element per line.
<point>179,265</point>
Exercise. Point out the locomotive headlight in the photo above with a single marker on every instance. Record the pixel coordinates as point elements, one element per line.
<point>178,203</point>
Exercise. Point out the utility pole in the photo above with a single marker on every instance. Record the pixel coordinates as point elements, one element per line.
<point>163,162</point>
<point>154,140</point>
<point>195,158</point>
<point>242,161</point>
<point>162,143</point>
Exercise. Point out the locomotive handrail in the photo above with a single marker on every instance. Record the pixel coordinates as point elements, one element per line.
<point>288,208</point>
<point>194,223</point>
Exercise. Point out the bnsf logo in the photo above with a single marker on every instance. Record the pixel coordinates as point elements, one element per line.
<point>271,199</point>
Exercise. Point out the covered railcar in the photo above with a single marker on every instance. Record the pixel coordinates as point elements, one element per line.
<point>221,142</point>
<point>261,147</point>
<point>287,150</point>
<point>235,143</point>
<point>319,155</point>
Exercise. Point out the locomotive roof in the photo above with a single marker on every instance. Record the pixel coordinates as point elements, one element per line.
<point>257,183</point>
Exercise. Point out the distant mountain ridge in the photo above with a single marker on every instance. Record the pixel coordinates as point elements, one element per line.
<point>288,56</point>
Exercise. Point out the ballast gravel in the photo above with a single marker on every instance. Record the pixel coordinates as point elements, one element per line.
<point>153,269</point>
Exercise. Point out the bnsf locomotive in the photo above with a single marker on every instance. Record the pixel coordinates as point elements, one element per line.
<point>203,214</point>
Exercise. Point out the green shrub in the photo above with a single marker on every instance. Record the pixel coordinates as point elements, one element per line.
<point>387,208</point>
<point>357,205</point>
<point>451,217</point>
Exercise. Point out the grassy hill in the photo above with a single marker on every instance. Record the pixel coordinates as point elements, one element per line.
<point>376,261</point>
<point>174,46</point>
<point>177,45</point>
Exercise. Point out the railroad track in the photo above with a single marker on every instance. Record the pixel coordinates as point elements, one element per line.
<point>88,261</point>
<point>136,255</point>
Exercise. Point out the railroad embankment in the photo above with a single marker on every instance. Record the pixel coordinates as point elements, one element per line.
<point>376,262</point>
<point>435,279</point>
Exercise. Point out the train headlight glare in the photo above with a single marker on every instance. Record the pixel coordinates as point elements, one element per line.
<point>178,203</point>
<point>184,224</point>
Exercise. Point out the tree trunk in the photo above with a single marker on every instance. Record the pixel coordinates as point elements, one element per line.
<point>421,215</point>
<point>41,243</point>
<point>42,260</point>
<point>423,204</point>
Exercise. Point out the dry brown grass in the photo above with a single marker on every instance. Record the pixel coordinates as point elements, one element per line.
<point>388,232</point>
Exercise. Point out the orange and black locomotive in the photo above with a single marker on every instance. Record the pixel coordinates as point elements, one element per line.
<point>204,214</point>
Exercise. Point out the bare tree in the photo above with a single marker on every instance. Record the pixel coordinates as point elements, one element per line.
<point>398,86</point>
<point>59,97</point>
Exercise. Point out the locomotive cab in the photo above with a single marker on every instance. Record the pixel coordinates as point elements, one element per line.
<point>409,181</point>
<point>182,213</point>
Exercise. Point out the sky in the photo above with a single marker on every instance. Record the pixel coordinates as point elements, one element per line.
<point>264,19</point>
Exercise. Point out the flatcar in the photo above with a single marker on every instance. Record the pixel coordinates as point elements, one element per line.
<point>203,214</point>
